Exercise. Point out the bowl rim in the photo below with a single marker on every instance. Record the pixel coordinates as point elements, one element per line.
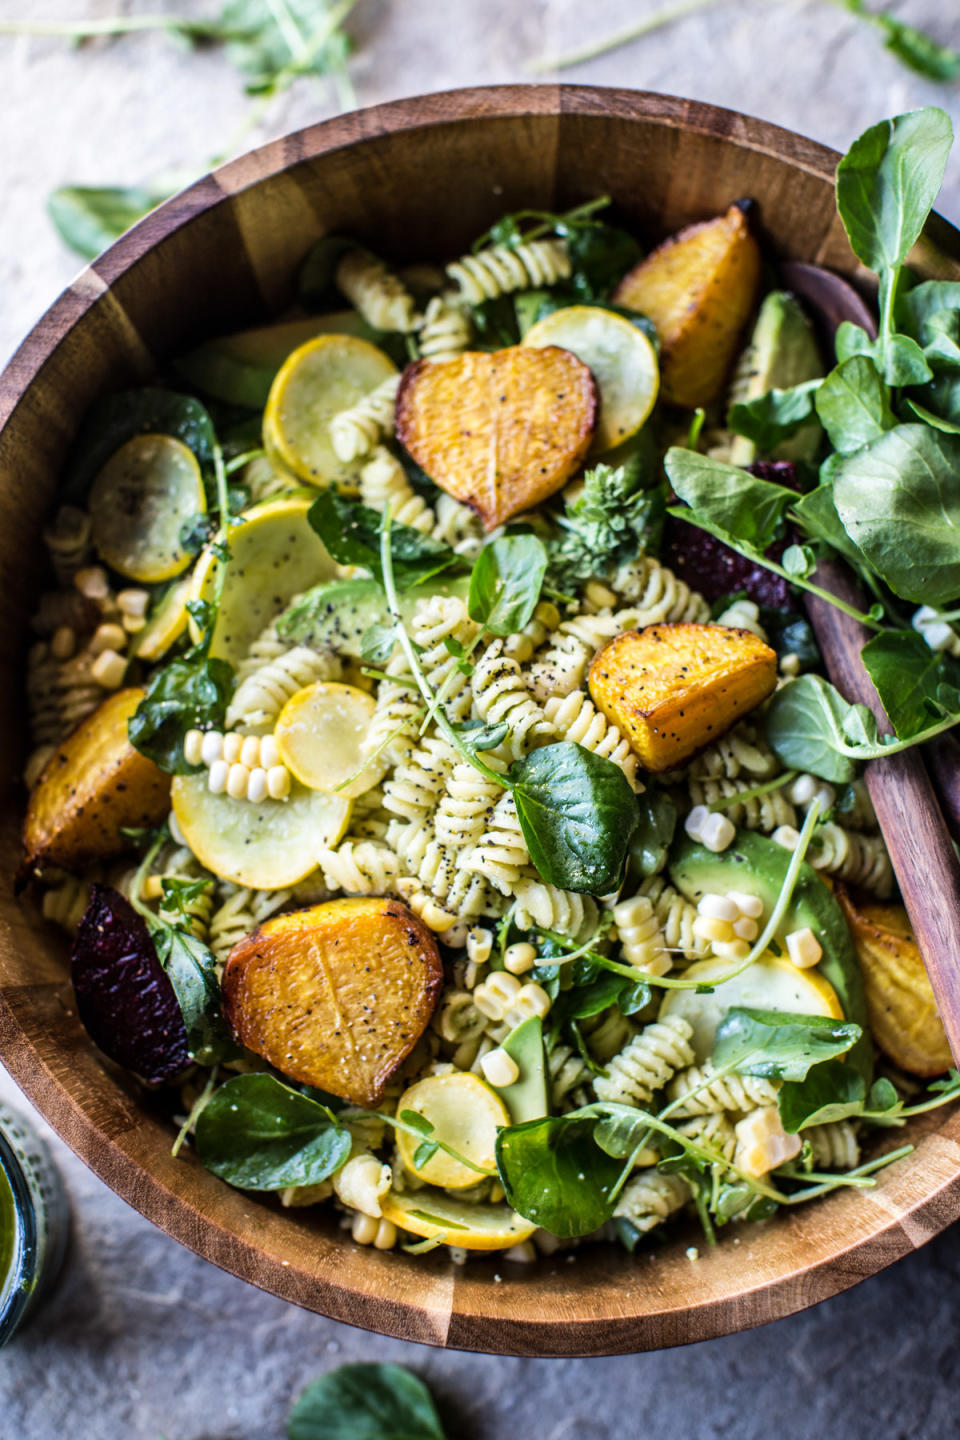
<point>904,1227</point>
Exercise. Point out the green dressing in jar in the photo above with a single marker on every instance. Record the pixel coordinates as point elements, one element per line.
<point>33,1221</point>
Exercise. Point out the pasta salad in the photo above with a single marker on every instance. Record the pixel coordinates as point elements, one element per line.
<point>432,763</point>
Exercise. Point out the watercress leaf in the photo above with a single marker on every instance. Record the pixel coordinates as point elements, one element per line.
<point>365,1402</point>
<point>416,1121</point>
<point>852,340</point>
<point>259,1134</point>
<point>883,1096</point>
<point>799,561</point>
<point>424,1153</point>
<point>145,411</point>
<point>351,533</point>
<point>900,504</point>
<point>904,363</point>
<point>928,417</point>
<point>577,813</point>
<point>505,583</point>
<point>887,184</point>
<point>774,416</point>
<point>556,1176</point>
<point>729,499</point>
<point>832,1091</point>
<point>479,737</point>
<point>909,676</point>
<point>192,971</point>
<point>919,310</point>
<point>777,1045</point>
<point>854,405</point>
<point>816,513</point>
<point>912,47</point>
<point>619,1135</point>
<point>189,693</point>
<point>88,218</point>
<point>804,727</point>
<point>600,256</point>
<point>377,642</point>
<point>653,836</point>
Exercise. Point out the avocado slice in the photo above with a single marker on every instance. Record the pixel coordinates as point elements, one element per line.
<point>782,352</point>
<point>758,866</point>
<point>526,1098</point>
<point>337,614</point>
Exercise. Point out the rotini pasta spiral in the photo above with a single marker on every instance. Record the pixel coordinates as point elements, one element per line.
<point>439,623</point>
<point>68,541</point>
<point>376,292</point>
<point>676,917</point>
<point>735,1093</point>
<point>60,693</point>
<point>859,859</point>
<point>713,1129</point>
<point>575,717</point>
<point>466,805</point>
<point>396,715</point>
<point>545,907</point>
<point>647,1062</point>
<point>651,1198</point>
<point>569,1076</point>
<point>607,1033</point>
<point>500,697</point>
<point>240,911</point>
<point>501,854</point>
<point>835,1145</point>
<point>641,939</point>
<point>739,752</point>
<point>356,431</point>
<point>63,904</point>
<point>359,867</point>
<point>656,595</point>
<point>383,481</point>
<point>859,813</point>
<point>182,865</point>
<point>502,269</point>
<point>414,789</point>
<point>261,696</point>
<point>368,818</point>
<point>759,812</point>
<point>743,614</point>
<point>445,331</point>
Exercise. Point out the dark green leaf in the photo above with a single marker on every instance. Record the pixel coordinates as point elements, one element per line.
<point>805,726</point>
<point>88,218</point>
<point>656,824</point>
<point>555,1175</point>
<point>854,405</point>
<point>365,1402</point>
<point>728,499</point>
<point>900,504</point>
<point>187,694</point>
<point>505,583</point>
<point>316,287</point>
<point>833,1091</point>
<point>351,533</point>
<point>118,418</point>
<point>904,363</point>
<point>853,340</point>
<point>619,1135</point>
<point>259,1134</point>
<point>192,970</point>
<point>909,677</point>
<point>479,737</point>
<point>416,1121</point>
<point>887,184</point>
<point>774,417</point>
<point>600,256</point>
<point>577,813</point>
<point>921,311</point>
<point>779,1046</point>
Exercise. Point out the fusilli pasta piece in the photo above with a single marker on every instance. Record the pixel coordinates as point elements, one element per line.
<point>743,614</point>
<point>466,805</point>
<point>261,696</point>
<point>500,696</point>
<point>383,481</point>
<point>439,622</point>
<point>357,430</point>
<point>859,859</point>
<point>545,907</point>
<point>835,1145</point>
<point>739,752</point>
<point>415,788</point>
<point>240,911</point>
<point>607,1033</point>
<point>736,1093</point>
<point>656,595</point>
<point>759,812</point>
<point>375,291</point>
<point>676,916</point>
<point>68,541</point>
<point>502,269</point>
<point>569,1076</point>
<point>396,715</point>
<point>575,717</point>
<point>458,526</point>
<point>713,1129</point>
<point>541,624</point>
<point>647,1062</point>
<point>183,865</point>
<point>445,332</point>
<point>359,867</point>
<point>63,904</point>
<point>651,1198</point>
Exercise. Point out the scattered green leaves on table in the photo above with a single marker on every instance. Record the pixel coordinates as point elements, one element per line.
<point>365,1402</point>
<point>88,218</point>
<point>259,1134</point>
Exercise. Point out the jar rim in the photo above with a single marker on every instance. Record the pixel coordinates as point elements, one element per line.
<point>17,1287</point>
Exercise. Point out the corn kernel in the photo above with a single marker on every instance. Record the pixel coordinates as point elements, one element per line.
<point>731,949</point>
<point>786,836</point>
<point>133,602</point>
<point>238,782</point>
<point>496,994</point>
<point>109,669</point>
<point>278,782</point>
<point>193,747</point>
<point>745,928</point>
<point>706,928</point>
<point>695,821</point>
<point>520,958</point>
<point>269,754</point>
<point>152,887</point>
<point>718,833</point>
<point>63,642</point>
<point>232,745</point>
<point>499,1068</point>
<point>719,907</point>
<point>212,747</point>
<point>92,582</point>
<point>790,664</point>
<point>750,905</point>
<point>217,779</point>
<point>133,624</point>
<point>762,1142</point>
<point>257,787</point>
<point>532,1000</point>
<point>250,751</point>
<point>804,948</point>
<point>107,637</point>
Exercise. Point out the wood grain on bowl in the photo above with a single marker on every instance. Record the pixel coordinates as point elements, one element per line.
<point>419,178</point>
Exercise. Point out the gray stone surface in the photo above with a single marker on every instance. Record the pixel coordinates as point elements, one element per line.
<point>143,1339</point>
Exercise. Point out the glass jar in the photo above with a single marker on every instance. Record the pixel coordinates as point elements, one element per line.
<point>33,1221</point>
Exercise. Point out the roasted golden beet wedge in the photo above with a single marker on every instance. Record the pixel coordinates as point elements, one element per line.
<point>335,996</point>
<point>903,1012</point>
<point>93,787</point>
<point>500,432</point>
<point>672,689</point>
<point>699,289</point>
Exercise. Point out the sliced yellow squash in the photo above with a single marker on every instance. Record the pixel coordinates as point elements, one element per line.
<point>274,554</point>
<point>167,623</point>
<point>267,846</point>
<point>621,358</point>
<point>465,1114</point>
<point>771,983</point>
<point>437,1216</point>
<point>139,503</point>
<point>313,385</point>
<point>321,734</point>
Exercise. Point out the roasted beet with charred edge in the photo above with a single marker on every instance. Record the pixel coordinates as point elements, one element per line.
<point>124,998</point>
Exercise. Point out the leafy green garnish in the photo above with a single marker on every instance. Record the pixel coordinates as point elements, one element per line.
<point>555,1174</point>
<point>351,533</point>
<point>854,405</point>
<point>916,685</point>
<point>775,416</point>
<point>88,218</point>
<point>190,693</point>
<point>365,1402</point>
<point>655,828</point>
<point>505,583</point>
<point>779,1046</point>
<point>729,499</point>
<point>615,516</point>
<point>118,418</point>
<point>259,1134</point>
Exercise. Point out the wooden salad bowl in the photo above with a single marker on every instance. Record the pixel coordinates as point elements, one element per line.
<point>415,179</point>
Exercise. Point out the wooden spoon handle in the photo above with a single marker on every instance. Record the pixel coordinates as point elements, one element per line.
<point>907,807</point>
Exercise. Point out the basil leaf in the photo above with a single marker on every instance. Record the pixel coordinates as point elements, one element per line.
<point>351,533</point>
<point>774,417</point>
<point>192,971</point>
<point>88,218</point>
<point>577,813</point>
<point>187,694</point>
<point>505,583</point>
<point>365,1402</point>
<point>854,405</point>
<point>119,417</point>
<point>909,677</point>
<point>728,498</point>
<point>555,1175</point>
<point>887,184</point>
<point>900,503</point>
<point>833,1091</point>
<point>259,1134</point>
<point>804,725</point>
<point>779,1046</point>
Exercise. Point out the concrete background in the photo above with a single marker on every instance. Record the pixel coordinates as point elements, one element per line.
<point>143,1340</point>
